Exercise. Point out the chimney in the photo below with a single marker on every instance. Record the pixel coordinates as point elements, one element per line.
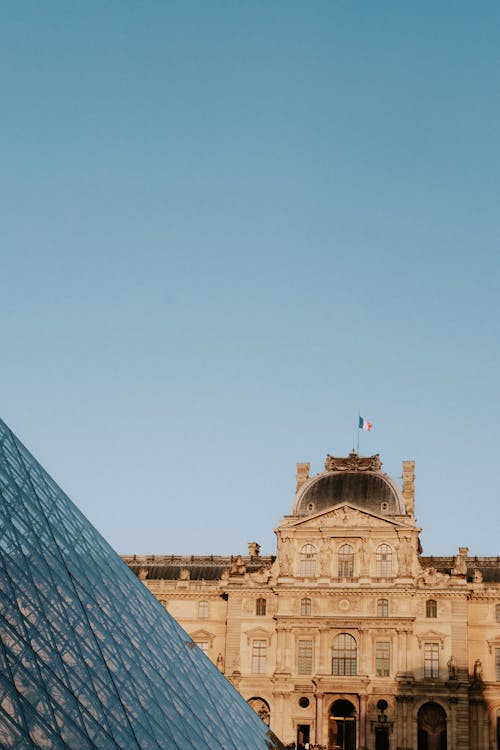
<point>302,475</point>
<point>408,486</point>
<point>253,549</point>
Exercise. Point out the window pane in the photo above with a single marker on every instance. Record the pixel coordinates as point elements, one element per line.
<point>344,660</point>
<point>259,649</point>
<point>305,649</point>
<point>260,606</point>
<point>384,561</point>
<point>383,608</point>
<point>305,607</point>
<point>346,561</point>
<point>431,608</point>
<point>431,660</point>
<point>308,560</point>
<point>382,658</point>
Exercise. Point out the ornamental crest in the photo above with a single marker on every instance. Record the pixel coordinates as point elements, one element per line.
<point>353,462</point>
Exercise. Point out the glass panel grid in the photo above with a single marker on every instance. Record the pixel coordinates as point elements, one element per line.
<point>88,658</point>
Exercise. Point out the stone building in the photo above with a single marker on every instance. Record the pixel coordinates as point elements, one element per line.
<point>349,638</point>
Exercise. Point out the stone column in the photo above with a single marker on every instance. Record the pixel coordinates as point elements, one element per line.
<point>280,648</point>
<point>404,738</point>
<point>319,697</point>
<point>362,722</point>
<point>452,722</point>
<point>402,651</point>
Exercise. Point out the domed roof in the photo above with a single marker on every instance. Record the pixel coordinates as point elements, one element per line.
<point>353,480</point>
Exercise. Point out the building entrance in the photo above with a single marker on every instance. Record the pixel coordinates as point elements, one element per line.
<point>342,726</point>
<point>432,727</point>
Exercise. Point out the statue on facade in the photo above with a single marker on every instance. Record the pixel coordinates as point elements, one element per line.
<point>478,670</point>
<point>452,668</point>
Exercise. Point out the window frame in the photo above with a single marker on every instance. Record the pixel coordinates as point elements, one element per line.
<point>383,658</point>
<point>431,606</point>
<point>305,607</point>
<point>259,655</point>
<point>305,656</point>
<point>203,609</point>
<point>345,560</point>
<point>260,606</point>
<point>308,558</point>
<point>344,655</point>
<point>382,607</point>
<point>383,561</point>
<point>431,660</point>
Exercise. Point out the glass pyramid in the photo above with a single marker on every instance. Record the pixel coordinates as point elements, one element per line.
<point>88,657</point>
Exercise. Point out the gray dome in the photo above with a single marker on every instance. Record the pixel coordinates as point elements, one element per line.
<point>372,491</point>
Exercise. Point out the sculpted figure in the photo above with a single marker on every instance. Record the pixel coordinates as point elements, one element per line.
<point>452,668</point>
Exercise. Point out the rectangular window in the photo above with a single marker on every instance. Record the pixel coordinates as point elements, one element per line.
<point>203,645</point>
<point>382,658</point>
<point>497,664</point>
<point>305,652</point>
<point>431,660</point>
<point>259,649</point>
<point>203,609</point>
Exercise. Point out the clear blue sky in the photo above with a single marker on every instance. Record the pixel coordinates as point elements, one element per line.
<point>226,227</point>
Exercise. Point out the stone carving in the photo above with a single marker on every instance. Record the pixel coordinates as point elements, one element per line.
<point>431,577</point>
<point>142,574</point>
<point>477,576</point>
<point>353,462</point>
<point>460,564</point>
<point>184,574</point>
<point>478,670</point>
<point>452,668</point>
<point>404,556</point>
<point>220,662</point>
<point>285,557</point>
<point>238,567</point>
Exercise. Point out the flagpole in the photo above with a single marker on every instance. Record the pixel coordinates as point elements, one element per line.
<point>357,450</point>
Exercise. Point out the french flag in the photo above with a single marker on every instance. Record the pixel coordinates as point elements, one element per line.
<point>364,425</point>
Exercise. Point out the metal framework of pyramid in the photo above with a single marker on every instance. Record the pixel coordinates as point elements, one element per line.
<point>88,657</point>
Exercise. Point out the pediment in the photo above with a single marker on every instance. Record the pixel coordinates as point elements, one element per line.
<point>347,516</point>
<point>258,634</point>
<point>199,636</point>
<point>432,636</point>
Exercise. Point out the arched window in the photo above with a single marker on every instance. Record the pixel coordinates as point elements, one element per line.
<point>382,607</point>
<point>346,561</point>
<point>344,661</point>
<point>305,607</point>
<point>383,561</point>
<point>431,608</point>
<point>203,609</point>
<point>260,606</point>
<point>308,561</point>
<point>261,707</point>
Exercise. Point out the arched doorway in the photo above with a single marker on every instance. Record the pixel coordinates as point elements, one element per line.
<point>342,726</point>
<point>261,707</point>
<point>432,727</point>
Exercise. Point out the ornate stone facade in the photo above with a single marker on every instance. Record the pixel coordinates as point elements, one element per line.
<point>349,637</point>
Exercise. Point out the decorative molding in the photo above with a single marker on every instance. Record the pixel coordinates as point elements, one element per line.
<point>353,462</point>
<point>430,636</point>
<point>258,633</point>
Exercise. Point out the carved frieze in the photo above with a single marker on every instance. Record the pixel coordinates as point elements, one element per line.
<point>353,462</point>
